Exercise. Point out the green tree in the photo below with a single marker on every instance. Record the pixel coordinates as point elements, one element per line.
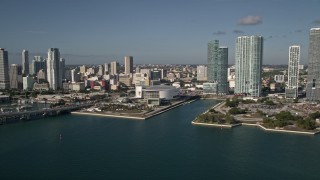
<point>314,115</point>
<point>230,119</point>
<point>285,116</point>
<point>269,102</point>
<point>231,103</point>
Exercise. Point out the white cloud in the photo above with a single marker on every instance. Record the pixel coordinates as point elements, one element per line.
<point>250,20</point>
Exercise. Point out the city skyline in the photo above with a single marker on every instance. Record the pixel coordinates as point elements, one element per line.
<point>178,36</point>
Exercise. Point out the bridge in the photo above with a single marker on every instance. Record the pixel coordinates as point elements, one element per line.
<point>12,117</point>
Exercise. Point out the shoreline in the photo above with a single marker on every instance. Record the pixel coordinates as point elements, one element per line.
<point>143,117</point>
<point>107,115</point>
<point>217,125</point>
<point>281,130</point>
<point>259,126</point>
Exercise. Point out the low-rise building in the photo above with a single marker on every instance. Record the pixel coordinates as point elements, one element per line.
<point>41,86</point>
<point>156,94</point>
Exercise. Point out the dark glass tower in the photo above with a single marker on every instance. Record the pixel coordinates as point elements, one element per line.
<point>313,85</point>
<point>218,66</point>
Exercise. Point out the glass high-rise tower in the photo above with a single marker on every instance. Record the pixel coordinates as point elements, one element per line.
<point>293,72</point>
<point>25,62</point>
<point>4,69</point>
<point>313,84</point>
<point>248,61</point>
<point>218,66</point>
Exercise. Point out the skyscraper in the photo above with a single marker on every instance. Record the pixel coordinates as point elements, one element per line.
<point>38,63</point>
<point>53,64</point>
<point>25,62</point>
<point>248,60</point>
<point>62,68</point>
<point>293,72</point>
<point>202,73</point>
<point>128,64</point>
<point>4,66</point>
<point>313,84</point>
<point>114,68</point>
<point>13,75</point>
<point>100,70</point>
<point>106,68</point>
<point>218,66</point>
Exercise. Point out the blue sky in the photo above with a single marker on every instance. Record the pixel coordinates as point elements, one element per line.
<point>153,31</point>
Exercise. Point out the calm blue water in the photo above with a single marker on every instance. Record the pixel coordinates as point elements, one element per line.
<point>164,147</point>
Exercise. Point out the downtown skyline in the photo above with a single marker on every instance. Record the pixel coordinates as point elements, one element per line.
<point>166,32</point>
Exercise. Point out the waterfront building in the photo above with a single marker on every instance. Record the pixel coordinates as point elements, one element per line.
<point>77,86</point>
<point>293,72</point>
<point>28,83</point>
<point>218,66</point>
<point>41,75</point>
<point>155,95</point>
<point>4,67</point>
<point>202,73</point>
<point>114,68</point>
<point>248,62</point>
<point>25,62</point>
<point>62,69</point>
<point>210,88</point>
<point>15,74</point>
<point>38,63</point>
<point>313,84</point>
<point>41,86</point>
<point>128,65</point>
<point>53,72</point>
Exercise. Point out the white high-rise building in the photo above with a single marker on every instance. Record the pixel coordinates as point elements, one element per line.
<point>4,69</point>
<point>248,61</point>
<point>293,72</point>
<point>114,68</point>
<point>53,65</point>
<point>100,70</point>
<point>202,73</point>
<point>128,65</point>
<point>25,62</point>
